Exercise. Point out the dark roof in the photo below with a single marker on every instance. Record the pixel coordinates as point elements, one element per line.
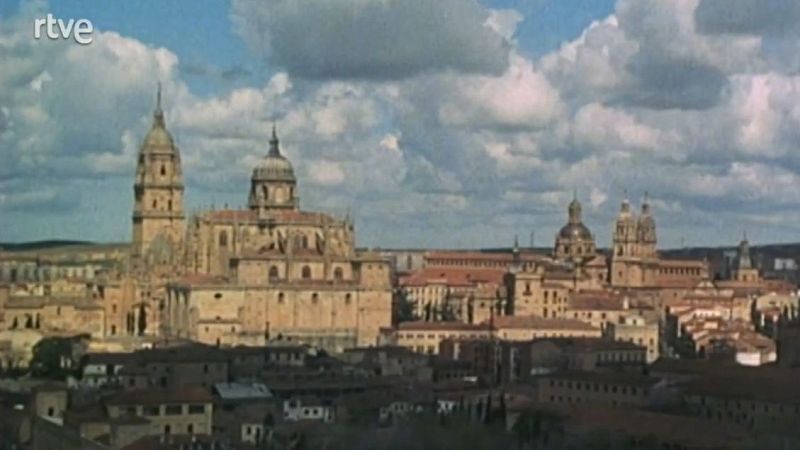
<point>161,396</point>
<point>109,358</point>
<point>693,432</point>
<point>589,344</point>
<point>619,378</point>
<point>173,442</point>
<point>185,353</point>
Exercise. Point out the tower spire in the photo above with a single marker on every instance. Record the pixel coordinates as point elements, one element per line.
<point>274,150</point>
<point>158,114</point>
<point>625,207</point>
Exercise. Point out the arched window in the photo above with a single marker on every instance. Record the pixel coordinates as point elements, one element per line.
<point>337,273</point>
<point>306,274</point>
<point>273,272</point>
<point>223,238</point>
<point>280,297</point>
<point>304,241</point>
<point>155,203</point>
<point>169,205</point>
<point>163,170</point>
<point>347,298</point>
<point>315,297</point>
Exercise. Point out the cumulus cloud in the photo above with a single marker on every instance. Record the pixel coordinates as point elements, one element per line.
<point>420,126</point>
<point>748,16</point>
<point>376,39</point>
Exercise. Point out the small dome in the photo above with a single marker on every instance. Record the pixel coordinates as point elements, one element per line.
<point>274,166</point>
<point>575,231</point>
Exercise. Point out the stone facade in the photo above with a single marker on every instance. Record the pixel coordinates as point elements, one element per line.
<point>635,263</point>
<point>273,271</point>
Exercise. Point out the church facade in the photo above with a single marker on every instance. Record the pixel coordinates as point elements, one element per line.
<point>635,262</point>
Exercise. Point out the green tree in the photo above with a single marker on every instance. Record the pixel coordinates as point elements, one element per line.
<point>50,355</point>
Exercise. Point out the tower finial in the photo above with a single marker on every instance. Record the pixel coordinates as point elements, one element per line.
<point>158,114</point>
<point>273,142</point>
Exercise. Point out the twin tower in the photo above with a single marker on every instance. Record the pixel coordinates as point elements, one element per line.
<point>634,237</point>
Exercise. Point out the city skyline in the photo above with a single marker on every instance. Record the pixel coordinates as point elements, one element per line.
<point>427,146</point>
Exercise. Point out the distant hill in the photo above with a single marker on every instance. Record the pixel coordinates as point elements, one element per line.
<point>39,245</point>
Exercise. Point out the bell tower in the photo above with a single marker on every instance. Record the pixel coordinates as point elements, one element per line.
<point>624,235</point>
<point>158,189</point>
<point>646,230</point>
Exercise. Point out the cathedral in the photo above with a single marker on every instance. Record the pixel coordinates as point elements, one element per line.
<point>248,276</point>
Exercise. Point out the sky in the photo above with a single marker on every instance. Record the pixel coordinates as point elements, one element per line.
<point>450,124</point>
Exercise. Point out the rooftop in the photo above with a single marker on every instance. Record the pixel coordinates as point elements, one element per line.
<point>441,326</point>
<point>161,396</point>
<point>457,277</point>
<point>596,300</point>
<point>540,323</point>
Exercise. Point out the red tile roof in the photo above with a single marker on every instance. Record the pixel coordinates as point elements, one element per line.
<point>540,323</point>
<point>231,215</point>
<point>455,277</point>
<point>596,300</point>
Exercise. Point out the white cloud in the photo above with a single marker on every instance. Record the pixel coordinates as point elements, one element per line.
<point>375,39</point>
<point>469,133</point>
<point>521,97</point>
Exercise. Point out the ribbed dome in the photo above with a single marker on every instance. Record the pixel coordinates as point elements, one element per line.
<point>575,231</point>
<point>274,166</point>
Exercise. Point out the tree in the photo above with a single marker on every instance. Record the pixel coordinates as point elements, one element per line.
<point>49,355</point>
<point>403,308</point>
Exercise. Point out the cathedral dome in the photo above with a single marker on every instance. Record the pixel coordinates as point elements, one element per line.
<point>274,166</point>
<point>575,231</point>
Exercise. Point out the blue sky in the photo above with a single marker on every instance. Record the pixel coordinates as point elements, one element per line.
<point>201,34</point>
<point>485,121</point>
